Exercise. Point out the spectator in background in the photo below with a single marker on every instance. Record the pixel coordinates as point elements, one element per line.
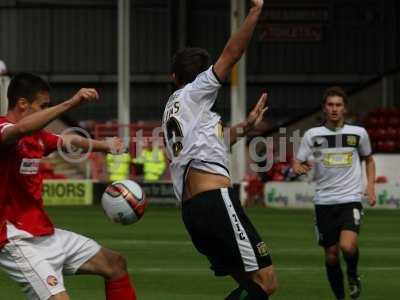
<point>152,159</point>
<point>118,166</point>
<point>4,82</point>
<point>3,68</point>
<point>254,191</point>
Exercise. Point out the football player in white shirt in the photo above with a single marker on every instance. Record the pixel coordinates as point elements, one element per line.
<point>337,150</point>
<point>198,158</point>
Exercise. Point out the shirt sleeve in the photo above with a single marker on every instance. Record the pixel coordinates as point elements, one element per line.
<point>305,149</point>
<point>50,141</point>
<point>364,147</point>
<point>204,89</point>
<point>2,127</point>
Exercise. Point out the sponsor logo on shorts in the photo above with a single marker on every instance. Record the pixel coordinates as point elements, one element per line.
<point>262,249</point>
<point>52,280</point>
<point>357,216</point>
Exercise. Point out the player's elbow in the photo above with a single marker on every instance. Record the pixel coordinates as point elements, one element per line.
<point>119,266</point>
<point>369,160</point>
<point>13,133</point>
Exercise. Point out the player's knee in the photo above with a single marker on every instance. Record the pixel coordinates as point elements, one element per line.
<point>119,263</point>
<point>266,278</point>
<point>348,247</point>
<point>269,285</point>
<point>332,258</point>
<point>117,266</point>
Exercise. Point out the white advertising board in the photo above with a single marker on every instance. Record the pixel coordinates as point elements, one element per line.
<point>300,195</point>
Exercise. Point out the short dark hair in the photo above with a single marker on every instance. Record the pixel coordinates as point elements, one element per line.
<point>25,85</point>
<point>335,91</point>
<point>188,63</point>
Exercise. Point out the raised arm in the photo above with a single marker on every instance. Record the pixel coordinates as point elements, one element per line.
<point>238,42</point>
<point>253,119</point>
<point>39,120</point>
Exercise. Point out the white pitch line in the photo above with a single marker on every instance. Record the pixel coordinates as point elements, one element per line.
<point>312,249</point>
<point>316,249</point>
<point>180,242</point>
<point>146,242</point>
<point>288,269</point>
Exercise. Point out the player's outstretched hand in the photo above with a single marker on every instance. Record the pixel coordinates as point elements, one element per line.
<point>115,145</point>
<point>85,95</point>
<point>257,3</point>
<point>258,111</point>
<point>371,195</point>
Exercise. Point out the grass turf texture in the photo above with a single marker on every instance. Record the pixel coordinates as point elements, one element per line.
<point>164,264</point>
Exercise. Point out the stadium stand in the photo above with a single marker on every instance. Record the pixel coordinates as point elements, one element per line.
<point>383,126</point>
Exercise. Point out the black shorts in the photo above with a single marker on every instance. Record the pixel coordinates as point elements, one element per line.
<point>221,231</point>
<point>331,220</point>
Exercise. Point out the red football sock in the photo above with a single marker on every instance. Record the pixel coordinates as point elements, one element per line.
<point>120,289</point>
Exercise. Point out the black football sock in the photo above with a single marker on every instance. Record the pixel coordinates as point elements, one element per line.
<point>335,277</point>
<point>352,263</point>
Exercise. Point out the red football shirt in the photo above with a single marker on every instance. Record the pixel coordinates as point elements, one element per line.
<point>21,189</point>
<point>4,157</point>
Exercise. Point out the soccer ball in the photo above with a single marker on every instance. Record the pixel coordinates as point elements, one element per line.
<point>124,202</point>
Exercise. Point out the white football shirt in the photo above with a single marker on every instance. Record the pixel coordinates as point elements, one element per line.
<point>193,133</point>
<point>337,163</point>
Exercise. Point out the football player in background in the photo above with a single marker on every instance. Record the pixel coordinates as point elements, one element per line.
<point>33,252</point>
<point>338,149</point>
<point>199,163</point>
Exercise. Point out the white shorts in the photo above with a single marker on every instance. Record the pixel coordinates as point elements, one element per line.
<point>38,263</point>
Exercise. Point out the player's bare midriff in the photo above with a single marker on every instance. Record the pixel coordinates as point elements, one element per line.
<point>198,181</point>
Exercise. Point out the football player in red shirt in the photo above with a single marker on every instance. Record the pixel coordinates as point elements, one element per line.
<point>32,251</point>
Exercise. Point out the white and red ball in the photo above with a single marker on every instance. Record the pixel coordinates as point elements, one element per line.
<point>124,202</point>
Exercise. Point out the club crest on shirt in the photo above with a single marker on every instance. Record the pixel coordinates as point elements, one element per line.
<point>52,280</point>
<point>29,166</point>
<point>351,140</point>
<point>262,249</point>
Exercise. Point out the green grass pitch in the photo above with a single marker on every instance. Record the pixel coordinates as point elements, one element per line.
<point>165,266</point>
